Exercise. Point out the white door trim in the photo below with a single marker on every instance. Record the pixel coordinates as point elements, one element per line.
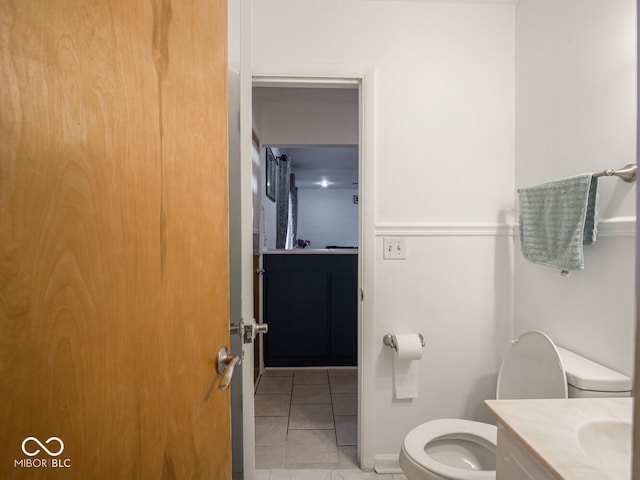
<point>246,240</point>
<point>320,76</point>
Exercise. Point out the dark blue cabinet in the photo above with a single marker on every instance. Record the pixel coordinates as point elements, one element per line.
<point>311,306</point>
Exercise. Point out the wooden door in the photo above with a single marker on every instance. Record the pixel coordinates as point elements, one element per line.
<point>113,239</point>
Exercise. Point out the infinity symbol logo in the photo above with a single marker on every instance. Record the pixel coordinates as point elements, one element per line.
<point>34,439</point>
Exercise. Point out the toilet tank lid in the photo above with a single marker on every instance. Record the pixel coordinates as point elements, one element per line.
<point>586,374</point>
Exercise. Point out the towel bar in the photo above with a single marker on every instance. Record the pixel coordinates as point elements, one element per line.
<point>626,173</point>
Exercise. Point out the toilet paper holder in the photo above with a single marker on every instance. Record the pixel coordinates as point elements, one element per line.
<point>390,341</point>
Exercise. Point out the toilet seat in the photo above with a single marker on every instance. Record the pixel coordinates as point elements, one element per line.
<point>413,446</point>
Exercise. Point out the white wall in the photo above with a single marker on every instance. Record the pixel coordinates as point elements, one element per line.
<point>448,83</point>
<point>328,216</point>
<point>303,116</point>
<point>443,159</point>
<point>576,112</point>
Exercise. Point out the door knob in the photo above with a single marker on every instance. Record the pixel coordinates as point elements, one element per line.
<point>226,364</point>
<point>248,332</point>
<point>261,328</point>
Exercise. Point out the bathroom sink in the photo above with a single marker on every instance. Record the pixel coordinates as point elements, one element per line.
<point>608,442</point>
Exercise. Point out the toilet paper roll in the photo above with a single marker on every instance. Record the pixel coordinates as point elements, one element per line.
<point>405,365</point>
<point>409,346</point>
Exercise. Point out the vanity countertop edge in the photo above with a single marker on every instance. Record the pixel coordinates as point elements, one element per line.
<point>548,428</point>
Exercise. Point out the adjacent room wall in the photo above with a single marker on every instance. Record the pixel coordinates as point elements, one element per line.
<point>576,112</point>
<point>443,158</point>
<point>328,216</point>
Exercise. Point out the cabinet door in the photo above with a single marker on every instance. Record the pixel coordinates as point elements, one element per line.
<point>344,316</point>
<point>297,311</point>
<point>513,460</point>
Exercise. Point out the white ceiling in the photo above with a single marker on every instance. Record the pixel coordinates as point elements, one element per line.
<point>338,166</point>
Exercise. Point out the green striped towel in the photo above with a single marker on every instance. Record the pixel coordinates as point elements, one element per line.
<point>557,218</point>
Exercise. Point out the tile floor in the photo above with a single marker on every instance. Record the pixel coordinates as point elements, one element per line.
<point>306,424</point>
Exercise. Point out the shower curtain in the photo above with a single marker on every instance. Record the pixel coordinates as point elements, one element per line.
<point>286,205</point>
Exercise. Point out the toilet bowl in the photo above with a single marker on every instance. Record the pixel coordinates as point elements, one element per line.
<point>534,367</point>
<point>450,449</point>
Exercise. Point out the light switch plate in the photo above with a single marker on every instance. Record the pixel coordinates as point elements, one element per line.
<point>394,248</point>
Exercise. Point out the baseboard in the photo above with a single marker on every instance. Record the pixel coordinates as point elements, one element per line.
<point>386,463</point>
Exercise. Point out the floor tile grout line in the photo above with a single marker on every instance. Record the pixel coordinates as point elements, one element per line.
<point>288,418</point>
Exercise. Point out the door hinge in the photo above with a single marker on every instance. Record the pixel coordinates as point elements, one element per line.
<point>361,295</point>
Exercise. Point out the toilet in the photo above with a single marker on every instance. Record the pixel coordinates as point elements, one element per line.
<point>534,367</point>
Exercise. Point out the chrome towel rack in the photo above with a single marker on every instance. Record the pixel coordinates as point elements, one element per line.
<point>628,173</point>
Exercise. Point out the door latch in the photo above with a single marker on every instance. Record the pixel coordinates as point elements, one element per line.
<point>245,331</point>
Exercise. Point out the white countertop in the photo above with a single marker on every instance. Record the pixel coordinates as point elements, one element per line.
<point>548,428</point>
<point>313,251</point>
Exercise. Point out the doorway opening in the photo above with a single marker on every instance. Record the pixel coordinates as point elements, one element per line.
<point>307,160</point>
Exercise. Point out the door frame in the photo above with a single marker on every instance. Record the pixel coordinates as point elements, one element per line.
<point>324,76</point>
<point>247,315</point>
